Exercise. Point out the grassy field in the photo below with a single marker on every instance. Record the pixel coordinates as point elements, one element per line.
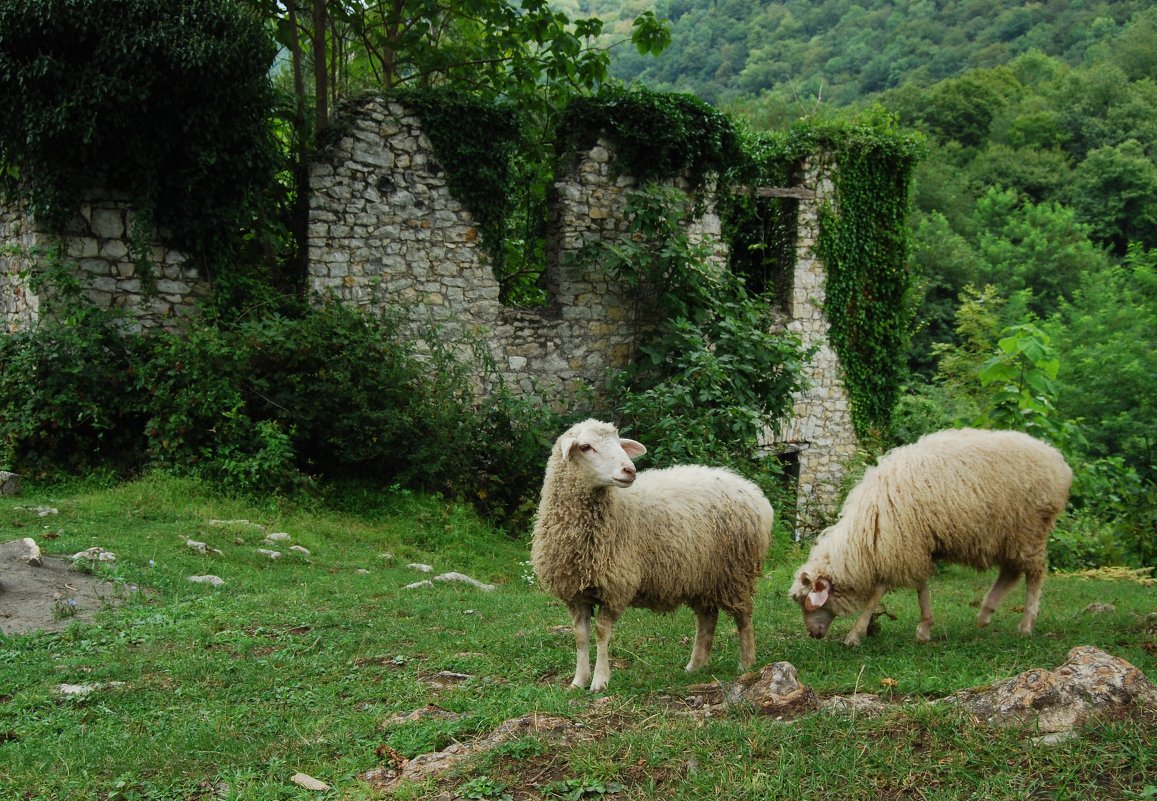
<point>298,664</point>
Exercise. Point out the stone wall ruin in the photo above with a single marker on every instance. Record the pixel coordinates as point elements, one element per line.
<point>385,229</point>
<point>98,243</point>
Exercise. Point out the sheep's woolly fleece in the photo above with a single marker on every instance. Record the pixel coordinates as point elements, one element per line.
<point>977,498</point>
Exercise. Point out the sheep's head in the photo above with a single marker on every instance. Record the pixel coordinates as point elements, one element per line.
<point>815,595</point>
<point>596,449</point>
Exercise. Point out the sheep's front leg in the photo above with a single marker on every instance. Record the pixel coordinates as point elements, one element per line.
<point>604,622</point>
<point>580,615</point>
<point>705,619</point>
<point>924,630</point>
<point>861,628</point>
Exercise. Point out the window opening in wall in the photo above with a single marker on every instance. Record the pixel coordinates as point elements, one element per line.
<point>763,234</point>
<point>788,459</point>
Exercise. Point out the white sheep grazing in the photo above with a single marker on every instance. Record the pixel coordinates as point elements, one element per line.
<point>978,498</point>
<point>609,537</point>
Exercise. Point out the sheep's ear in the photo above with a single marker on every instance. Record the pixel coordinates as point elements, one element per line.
<point>632,448</point>
<point>567,445</point>
<point>819,594</point>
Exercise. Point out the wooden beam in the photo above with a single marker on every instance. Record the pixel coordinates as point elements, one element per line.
<point>796,192</point>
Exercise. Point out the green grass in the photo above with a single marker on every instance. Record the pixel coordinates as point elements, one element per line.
<point>296,664</point>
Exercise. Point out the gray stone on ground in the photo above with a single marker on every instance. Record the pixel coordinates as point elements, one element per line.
<point>9,483</point>
<point>465,580</point>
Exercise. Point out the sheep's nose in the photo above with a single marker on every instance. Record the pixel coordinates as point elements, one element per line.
<point>815,635</point>
<point>629,471</point>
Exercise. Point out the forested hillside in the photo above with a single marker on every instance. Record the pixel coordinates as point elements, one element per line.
<point>843,50</point>
<point>1034,215</point>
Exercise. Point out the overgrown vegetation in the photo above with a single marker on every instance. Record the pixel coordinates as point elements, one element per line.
<point>167,104</point>
<point>710,376</point>
<point>271,403</point>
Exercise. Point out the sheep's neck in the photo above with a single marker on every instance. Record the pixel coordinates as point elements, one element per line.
<point>584,524</point>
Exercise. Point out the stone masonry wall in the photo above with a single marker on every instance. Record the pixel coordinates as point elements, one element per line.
<point>384,229</point>
<point>97,245</point>
<point>820,433</point>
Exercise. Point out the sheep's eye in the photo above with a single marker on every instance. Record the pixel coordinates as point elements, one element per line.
<point>586,448</point>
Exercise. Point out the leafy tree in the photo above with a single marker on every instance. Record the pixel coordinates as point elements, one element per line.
<point>1035,247</point>
<point>962,109</point>
<point>945,264</point>
<point>1107,334</point>
<point>1114,191</point>
<point>166,102</point>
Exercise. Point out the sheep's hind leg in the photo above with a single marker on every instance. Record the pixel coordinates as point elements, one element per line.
<point>924,630</point>
<point>580,615</point>
<point>1033,580</point>
<point>705,619</point>
<point>746,639</point>
<point>1004,581</point>
<point>604,622</point>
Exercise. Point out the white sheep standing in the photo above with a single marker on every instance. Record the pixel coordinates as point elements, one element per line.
<point>971,497</point>
<point>609,537</point>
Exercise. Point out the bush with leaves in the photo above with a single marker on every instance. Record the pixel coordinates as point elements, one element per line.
<point>269,405</point>
<point>710,377</point>
<point>71,398</point>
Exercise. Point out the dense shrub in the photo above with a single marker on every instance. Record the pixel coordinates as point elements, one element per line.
<point>272,405</point>
<point>71,397</point>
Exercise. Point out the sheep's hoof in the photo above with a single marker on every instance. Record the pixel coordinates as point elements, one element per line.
<point>923,634</point>
<point>852,640</point>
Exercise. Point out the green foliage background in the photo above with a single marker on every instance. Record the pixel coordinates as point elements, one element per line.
<point>167,103</point>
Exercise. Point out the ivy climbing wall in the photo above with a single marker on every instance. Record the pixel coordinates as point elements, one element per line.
<point>820,436</point>
<point>386,230</point>
<point>98,243</point>
<point>19,304</point>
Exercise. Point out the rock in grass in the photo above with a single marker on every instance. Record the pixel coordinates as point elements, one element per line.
<point>32,556</point>
<point>308,782</point>
<point>215,581</point>
<point>9,483</point>
<point>1056,701</point>
<point>268,553</point>
<point>465,580</point>
<point>94,554</point>
<point>201,547</point>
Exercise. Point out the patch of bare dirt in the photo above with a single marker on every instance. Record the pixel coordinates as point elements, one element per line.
<point>49,597</point>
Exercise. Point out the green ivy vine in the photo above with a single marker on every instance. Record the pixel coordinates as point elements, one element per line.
<point>864,244</point>
<point>477,142</point>
<point>656,135</point>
